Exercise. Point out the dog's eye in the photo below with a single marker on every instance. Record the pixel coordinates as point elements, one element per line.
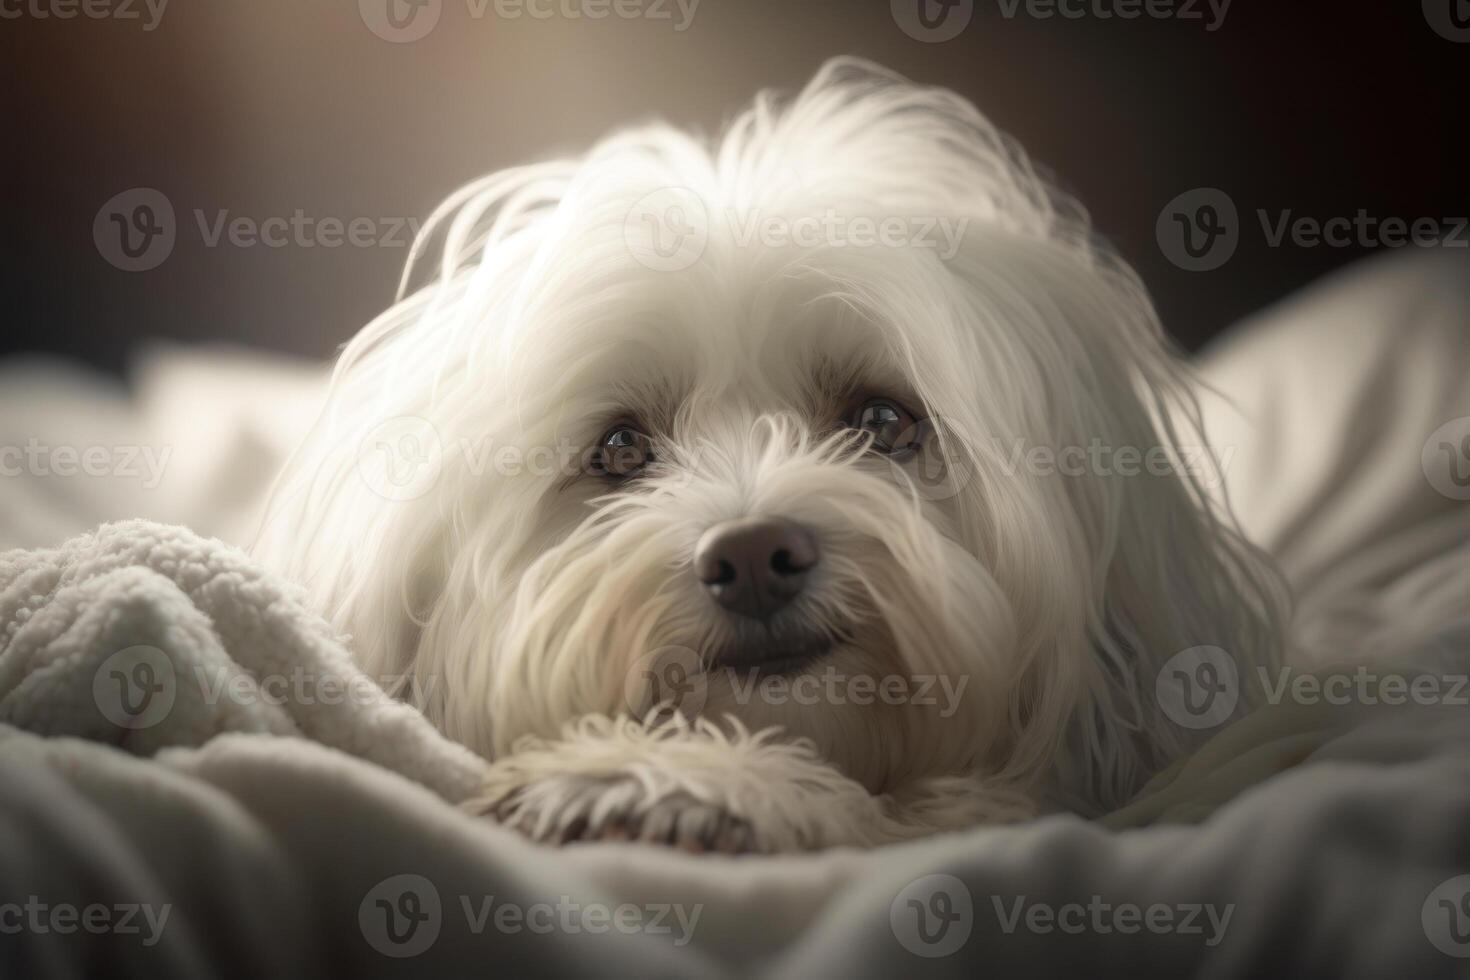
<point>893,427</point>
<point>622,451</point>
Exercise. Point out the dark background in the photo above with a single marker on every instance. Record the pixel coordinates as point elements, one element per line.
<point>269,106</point>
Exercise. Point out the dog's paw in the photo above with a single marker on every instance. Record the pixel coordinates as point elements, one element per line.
<point>578,809</point>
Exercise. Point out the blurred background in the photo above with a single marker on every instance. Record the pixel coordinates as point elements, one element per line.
<point>322,111</point>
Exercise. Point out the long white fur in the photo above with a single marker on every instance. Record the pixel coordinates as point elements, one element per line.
<point>520,603</point>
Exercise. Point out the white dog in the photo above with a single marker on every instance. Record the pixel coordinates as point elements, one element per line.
<point>775,493</point>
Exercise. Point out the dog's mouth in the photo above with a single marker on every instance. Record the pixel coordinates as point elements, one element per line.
<point>775,655</point>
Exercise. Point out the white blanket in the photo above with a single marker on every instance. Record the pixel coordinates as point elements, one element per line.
<point>147,636</point>
<point>282,834</point>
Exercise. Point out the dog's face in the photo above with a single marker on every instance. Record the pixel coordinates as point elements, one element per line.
<point>765,517</point>
<point>869,491</point>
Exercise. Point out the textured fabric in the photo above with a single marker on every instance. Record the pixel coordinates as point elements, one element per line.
<point>270,850</point>
<point>147,636</point>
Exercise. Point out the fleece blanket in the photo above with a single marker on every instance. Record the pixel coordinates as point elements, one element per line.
<point>171,810</point>
<point>195,780</point>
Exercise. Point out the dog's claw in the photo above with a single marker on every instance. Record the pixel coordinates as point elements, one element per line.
<point>679,820</point>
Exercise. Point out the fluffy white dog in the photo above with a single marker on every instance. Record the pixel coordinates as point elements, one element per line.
<point>818,485</point>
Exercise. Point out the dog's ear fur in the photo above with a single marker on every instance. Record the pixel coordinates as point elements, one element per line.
<point>1116,540</point>
<point>370,562</point>
<point>381,564</point>
<point>1036,335</point>
<point>1162,563</point>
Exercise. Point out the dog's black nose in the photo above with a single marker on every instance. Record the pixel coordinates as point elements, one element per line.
<point>755,565</point>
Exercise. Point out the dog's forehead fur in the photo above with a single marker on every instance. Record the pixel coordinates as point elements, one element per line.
<point>669,372</point>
